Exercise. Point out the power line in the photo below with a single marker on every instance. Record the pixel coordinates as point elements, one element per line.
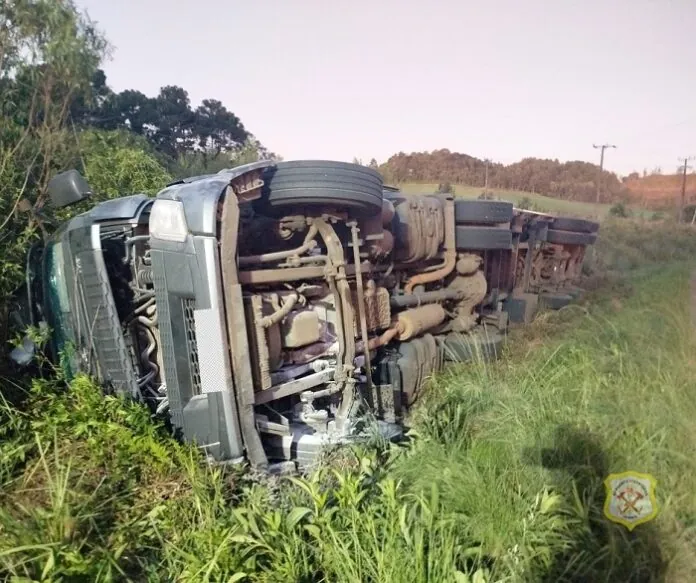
<point>601,167</point>
<point>685,166</point>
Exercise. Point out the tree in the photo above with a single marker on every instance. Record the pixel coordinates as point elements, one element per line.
<point>174,121</point>
<point>167,121</point>
<point>216,128</point>
<point>57,112</point>
<point>87,107</point>
<point>49,57</point>
<point>200,162</point>
<point>573,180</point>
<point>132,110</point>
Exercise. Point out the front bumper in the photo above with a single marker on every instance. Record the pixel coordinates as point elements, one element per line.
<point>197,367</point>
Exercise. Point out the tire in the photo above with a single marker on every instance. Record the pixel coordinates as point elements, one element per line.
<point>554,301</point>
<point>476,345</point>
<point>482,211</point>
<point>469,238</point>
<point>309,183</point>
<point>418,360</point>
<point>570,237</point>
<point>578,225</point>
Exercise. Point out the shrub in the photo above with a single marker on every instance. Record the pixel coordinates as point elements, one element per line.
<point>525,203</point>
<point>619,210</point>
<point>445,188</point>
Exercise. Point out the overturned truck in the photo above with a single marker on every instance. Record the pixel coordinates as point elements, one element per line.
<point>274,308</point>
<point>549,253</point>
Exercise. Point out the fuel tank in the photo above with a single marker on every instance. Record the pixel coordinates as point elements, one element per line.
<point>418,226</point>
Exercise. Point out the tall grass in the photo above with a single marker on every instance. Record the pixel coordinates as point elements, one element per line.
<point>625,245</point>
<point>614,394</point>
<point>92,490</point>
<point>500,481</point>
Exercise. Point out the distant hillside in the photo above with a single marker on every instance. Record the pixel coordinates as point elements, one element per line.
<point>659,190</point>
<point>574,181</point>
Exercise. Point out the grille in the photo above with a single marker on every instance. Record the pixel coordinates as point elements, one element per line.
<point>189,321</point>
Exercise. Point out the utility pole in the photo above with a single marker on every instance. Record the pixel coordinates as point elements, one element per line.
<point>601,167</point>
<point>485,184</point>
<point>684,168</point>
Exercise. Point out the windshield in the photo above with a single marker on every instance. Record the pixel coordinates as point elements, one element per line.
<point>58,301</point>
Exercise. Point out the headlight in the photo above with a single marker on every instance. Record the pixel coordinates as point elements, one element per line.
<point>168,221</point>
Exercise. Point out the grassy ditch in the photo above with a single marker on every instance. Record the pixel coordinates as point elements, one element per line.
<point>501,482</point>
<point>519,450</point>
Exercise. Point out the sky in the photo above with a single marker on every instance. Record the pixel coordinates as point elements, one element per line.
<point>499,79</point>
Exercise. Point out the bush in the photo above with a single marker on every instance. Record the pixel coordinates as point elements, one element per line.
<point>445,188</point>
<point>114,164</point>
<point>92,490</point>
<point>528,204</point>
<point>525,203</point>
<point>626,244</point>
<point>689,212</point>
<point>619,210</point>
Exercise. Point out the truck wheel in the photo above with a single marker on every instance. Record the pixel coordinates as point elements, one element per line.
<point>570,237</point>
<point>482,238</point>
<point>418,360</point>
<point>482,211</point>
<point>485,345</point>
<point>578,225</point>
<point>305,183</point>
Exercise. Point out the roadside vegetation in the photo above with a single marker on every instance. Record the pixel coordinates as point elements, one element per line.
<point>58,112</point>
<point>502,479</point>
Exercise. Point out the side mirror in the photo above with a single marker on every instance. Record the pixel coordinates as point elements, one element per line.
<point>68,188</point>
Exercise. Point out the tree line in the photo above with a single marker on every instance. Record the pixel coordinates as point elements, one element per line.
<point>574,180</point>
<point>168,121</point>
